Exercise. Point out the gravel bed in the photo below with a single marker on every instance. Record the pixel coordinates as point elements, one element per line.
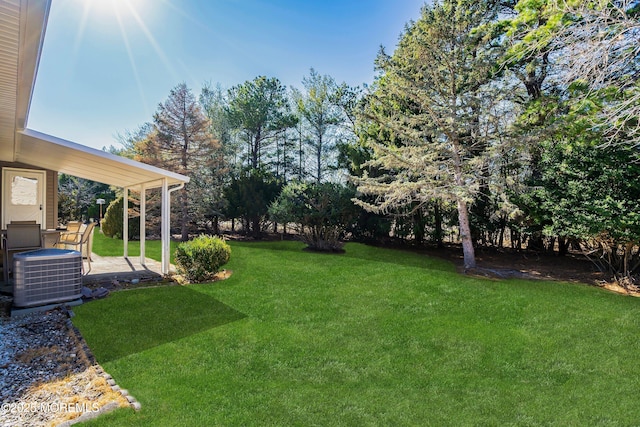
<point>47,374</point>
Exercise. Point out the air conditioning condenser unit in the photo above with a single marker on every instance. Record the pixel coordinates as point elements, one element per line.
<point>46,276</point>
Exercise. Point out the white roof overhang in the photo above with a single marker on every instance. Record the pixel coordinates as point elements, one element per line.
<point>49,152</point>
<point>22,29</point>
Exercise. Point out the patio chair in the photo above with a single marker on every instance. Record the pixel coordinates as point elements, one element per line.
<point>70,234</point>
<point>78,241</point>
<point>19,238</point>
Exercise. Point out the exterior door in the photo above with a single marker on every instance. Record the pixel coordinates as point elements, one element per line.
<point>23,196</point>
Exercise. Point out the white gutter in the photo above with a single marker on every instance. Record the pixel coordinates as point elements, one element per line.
<point>125,221</point>
<point>166,226</point>
<point>143,224</point>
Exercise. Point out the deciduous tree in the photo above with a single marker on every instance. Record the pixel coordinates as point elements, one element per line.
<point>77,197</point>
<point>601,46</point>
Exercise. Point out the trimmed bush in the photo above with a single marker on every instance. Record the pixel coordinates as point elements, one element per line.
<point>198,260</point>
<point>111,224</point>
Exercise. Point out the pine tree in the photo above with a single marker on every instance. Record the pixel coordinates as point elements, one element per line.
<point>181,142</point>
<point>259,111</point>
<point>318,108</point>
<point>431,110</point>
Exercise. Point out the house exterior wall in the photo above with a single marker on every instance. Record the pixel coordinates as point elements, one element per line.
<point>52,199</point>
<point>51,192</point>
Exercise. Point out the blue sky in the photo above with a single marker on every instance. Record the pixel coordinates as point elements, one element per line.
<point>107,64</point>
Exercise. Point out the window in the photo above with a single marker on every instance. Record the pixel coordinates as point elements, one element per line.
<point>24,191</point>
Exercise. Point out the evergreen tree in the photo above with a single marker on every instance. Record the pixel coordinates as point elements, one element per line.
<point>318,108</point>
<point>182,142</point>
<point>590,189</point>
<point>249,195</point>
<point>214,102</point>
<point>433,104</point>
<point>259,111</point>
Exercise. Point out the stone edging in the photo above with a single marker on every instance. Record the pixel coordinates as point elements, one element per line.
<point>135,405</point>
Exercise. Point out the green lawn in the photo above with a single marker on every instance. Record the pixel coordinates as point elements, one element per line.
<point>105,246</point>
<point>368,337</point>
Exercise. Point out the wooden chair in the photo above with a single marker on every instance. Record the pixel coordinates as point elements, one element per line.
<point>19,238</point>
<point>78,240</point>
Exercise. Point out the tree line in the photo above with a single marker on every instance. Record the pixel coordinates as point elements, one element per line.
<point>494,123</point>
<point>517,117</point>
<point>240,146</point>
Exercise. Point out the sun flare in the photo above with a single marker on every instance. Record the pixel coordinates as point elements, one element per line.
<point>115,7</point>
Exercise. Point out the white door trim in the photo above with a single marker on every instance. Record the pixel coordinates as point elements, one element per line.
<point>41,176</point>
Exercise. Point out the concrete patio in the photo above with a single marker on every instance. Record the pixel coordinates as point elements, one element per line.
<point>108,272</point>
<point>107,269</point>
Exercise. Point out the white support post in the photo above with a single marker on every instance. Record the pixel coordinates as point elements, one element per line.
<point>125,221</point>
<point>143,223</point>
<point>165,219</point>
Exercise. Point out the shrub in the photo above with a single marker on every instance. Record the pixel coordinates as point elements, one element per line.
<point>111,224</point>
<point>199,259</point>
<point>249,195</point>
<point>322,213</point>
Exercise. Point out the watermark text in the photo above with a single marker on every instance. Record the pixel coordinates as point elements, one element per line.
<point>48,407</point>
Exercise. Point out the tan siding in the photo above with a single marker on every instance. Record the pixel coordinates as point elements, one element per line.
<point>9,44</point>
<point>52,199</point>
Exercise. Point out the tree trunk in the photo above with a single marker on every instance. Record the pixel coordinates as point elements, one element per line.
<point>503,226</point>
<point>627,258</point>
<point>465,235</point>
<point>438,217</point>
<point>255,150</point>
<point>256,227</point>
<point>216,225</point>
<point>463,212</point>
<point>418,227</point>
<point>319,160</point>
<point>550,247</point>
<point>563,246</point>
<point>300,174</point>
<point>536,242</point>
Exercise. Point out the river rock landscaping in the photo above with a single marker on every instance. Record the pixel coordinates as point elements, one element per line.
<point>48,374</point>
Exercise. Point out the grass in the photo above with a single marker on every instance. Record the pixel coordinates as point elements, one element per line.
<point>105,246</point>
<point>368,337</point>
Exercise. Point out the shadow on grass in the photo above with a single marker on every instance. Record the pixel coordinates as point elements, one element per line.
<point>130,322</point>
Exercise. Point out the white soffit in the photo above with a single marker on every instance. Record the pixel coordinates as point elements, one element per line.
<point>48,152</point>
<point>22,28</point>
